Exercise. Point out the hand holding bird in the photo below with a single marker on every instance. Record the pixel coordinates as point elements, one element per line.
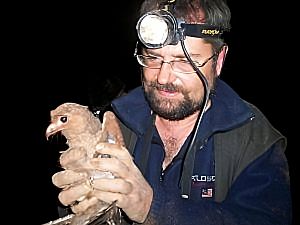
<point>83,132</point>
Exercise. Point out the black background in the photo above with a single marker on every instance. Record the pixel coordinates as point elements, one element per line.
<point>58,49</point>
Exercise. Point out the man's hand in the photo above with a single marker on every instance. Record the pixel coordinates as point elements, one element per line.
<point>75,179</point>
<point>128,188</point>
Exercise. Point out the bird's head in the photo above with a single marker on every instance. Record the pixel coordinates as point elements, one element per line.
<point>72,119</point>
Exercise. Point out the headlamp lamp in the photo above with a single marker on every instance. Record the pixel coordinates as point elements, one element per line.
<point>159,28</point>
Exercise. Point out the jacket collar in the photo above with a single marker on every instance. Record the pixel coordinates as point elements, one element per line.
<point>227,110</point>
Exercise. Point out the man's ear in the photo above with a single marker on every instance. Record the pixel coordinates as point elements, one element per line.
<point>221,59</point>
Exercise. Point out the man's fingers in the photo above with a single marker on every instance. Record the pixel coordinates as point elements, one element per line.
<point>91,204</point>
<point>74,193</point>
<point>66,177</point>
<point>108,197</point>
<point>112,185</point>
<point>114,150</point>
<point>113,165</point>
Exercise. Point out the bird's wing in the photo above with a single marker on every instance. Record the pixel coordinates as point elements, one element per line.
<point>112,128</point>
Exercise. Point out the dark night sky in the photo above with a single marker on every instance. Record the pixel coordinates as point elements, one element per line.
<point>64,47</point>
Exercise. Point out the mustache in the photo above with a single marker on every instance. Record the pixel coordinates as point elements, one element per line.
<point>164,87</point>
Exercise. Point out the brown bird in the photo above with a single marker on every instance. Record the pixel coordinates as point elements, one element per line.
<point>83,131</point>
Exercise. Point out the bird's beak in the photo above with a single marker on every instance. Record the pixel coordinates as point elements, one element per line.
<point>51,130</point>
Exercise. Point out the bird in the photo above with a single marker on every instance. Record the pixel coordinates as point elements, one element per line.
<point>83,131</point>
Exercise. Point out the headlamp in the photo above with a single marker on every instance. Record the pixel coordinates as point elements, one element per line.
<point>159,28</point>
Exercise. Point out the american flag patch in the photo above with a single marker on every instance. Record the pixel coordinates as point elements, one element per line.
<point>206,192</point>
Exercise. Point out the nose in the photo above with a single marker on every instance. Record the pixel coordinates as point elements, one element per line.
<point>165,75</point>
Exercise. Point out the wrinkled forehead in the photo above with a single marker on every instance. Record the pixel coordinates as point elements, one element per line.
<point>196,47</point>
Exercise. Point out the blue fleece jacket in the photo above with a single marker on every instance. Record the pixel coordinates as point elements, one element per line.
<point>260,195</point>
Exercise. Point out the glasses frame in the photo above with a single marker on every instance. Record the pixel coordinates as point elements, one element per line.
<point>198,64</point>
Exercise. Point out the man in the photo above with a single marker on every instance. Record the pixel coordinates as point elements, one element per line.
<point>198,153</point>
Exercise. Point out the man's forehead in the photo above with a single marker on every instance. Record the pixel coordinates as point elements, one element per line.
<point>194,46</point>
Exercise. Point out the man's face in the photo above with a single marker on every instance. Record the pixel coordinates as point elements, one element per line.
<point>171,94</point>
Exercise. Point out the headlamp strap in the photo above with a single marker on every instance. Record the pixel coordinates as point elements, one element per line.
<point>166,5</point>
<point>201,30</point>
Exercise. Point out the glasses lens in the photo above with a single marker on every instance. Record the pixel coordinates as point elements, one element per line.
<point>150,62</point>
<point>182,67</point>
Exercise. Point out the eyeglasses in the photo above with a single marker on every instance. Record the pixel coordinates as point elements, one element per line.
<point>178,66</point>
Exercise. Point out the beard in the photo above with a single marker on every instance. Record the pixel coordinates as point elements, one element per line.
<point>170,109</point>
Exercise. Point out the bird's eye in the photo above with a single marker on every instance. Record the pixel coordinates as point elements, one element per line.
<point>64,119</point>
